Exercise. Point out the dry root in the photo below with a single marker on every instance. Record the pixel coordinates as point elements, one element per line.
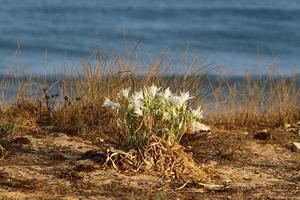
<point>170,162</point>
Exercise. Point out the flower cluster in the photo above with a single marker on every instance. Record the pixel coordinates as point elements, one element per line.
<point>154,111</point>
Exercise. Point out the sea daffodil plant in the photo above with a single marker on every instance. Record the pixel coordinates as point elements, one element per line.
<point>153,111</point>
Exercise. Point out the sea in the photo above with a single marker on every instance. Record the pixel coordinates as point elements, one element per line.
<point>234,36</point>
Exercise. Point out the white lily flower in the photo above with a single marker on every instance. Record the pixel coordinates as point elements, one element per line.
<point>138,111</point>
<point>125,92</point>
<point>176,100</point>
<point>111,104</point>
<point>137,96</point>
<point>179,101</point>
<point>137,104</point>
<point>185,96</point>
<point>170,113</point>
<point>153,90</point>
<point>197,113</point>
<point>167,94</point>
<point>137,100</point>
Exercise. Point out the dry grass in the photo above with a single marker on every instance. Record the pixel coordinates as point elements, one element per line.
<point>73,104</point>
<point>157,156</point>
<point>257,102</point>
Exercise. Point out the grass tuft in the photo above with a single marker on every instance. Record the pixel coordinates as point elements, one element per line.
<point>74,104</point>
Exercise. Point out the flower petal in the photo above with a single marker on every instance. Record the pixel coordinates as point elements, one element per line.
<point>111,104</point>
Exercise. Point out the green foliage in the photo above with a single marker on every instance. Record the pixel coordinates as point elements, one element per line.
<point>6,127</point>
<point>151,111</point>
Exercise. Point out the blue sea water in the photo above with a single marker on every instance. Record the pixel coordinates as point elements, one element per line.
<point>235,35</point>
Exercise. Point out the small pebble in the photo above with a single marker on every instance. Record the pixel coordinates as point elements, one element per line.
<point>296,147</point>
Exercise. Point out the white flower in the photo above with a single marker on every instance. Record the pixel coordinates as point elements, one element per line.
<point>137,97</point>
<point>179,101</point>
<point>153,90</point>
<point>125,92</point>
<point>197,113</point>
<point>137,101</point>
<point>167,94</point>
<point>176,100</point>
<point>138,111</point>
<point>185,96</point>
<point>111,104</point>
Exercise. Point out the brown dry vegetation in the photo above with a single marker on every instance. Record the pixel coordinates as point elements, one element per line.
<point>54,142</point>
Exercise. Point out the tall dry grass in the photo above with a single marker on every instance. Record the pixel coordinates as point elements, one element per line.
<point>74,102</point>
<point>256,101</point>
